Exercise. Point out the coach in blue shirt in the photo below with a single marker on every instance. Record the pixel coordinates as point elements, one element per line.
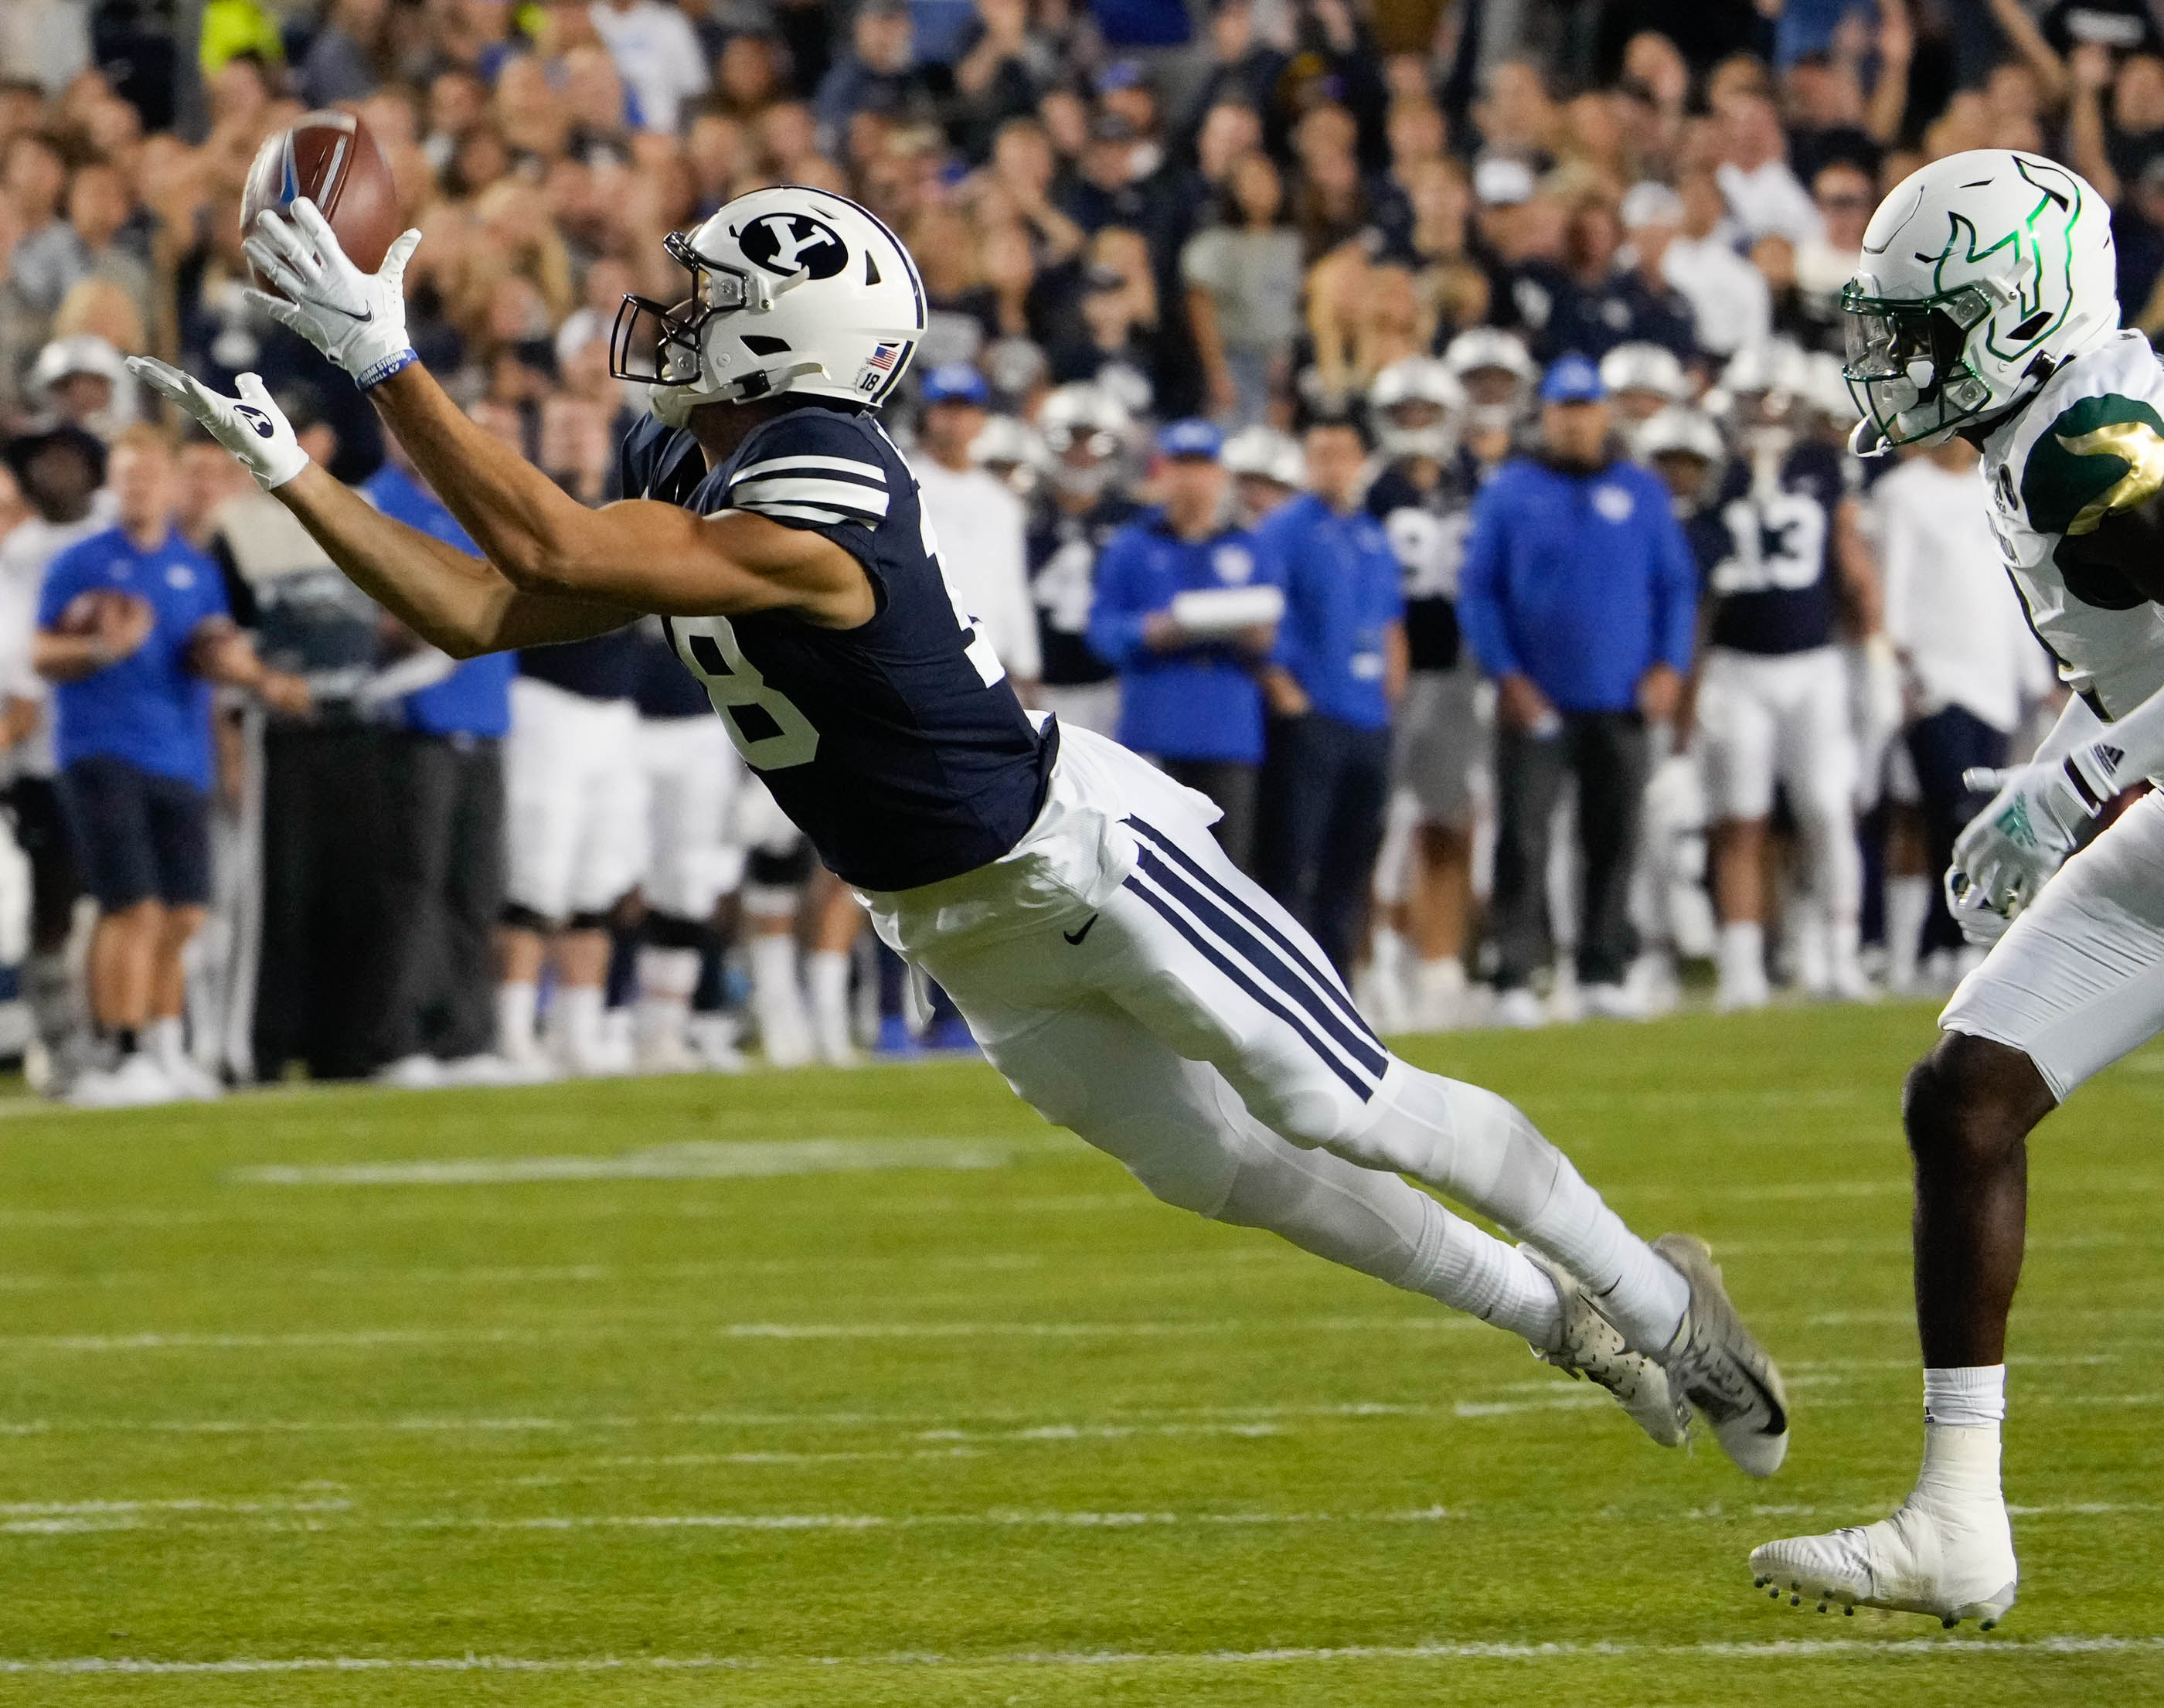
<point>444,804</point>
<point>132,630</point>
<point>1339,668</point>
<point>1579,598</point>
<point>1192,705</point>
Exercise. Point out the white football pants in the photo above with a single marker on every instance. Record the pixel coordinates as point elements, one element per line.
<point>1764,719</point>
<point>1133,985</point>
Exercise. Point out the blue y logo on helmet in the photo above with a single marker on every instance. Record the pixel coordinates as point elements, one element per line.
<point>787,243</point>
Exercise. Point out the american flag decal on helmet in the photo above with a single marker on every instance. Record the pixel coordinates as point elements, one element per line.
<point>883,357</point>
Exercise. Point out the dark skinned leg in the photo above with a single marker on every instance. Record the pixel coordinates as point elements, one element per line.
<point>1969,1107</point>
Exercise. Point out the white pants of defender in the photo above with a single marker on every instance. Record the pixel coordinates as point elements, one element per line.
<point>1765,719</point>
<point>575,800</point>
<point>1164,1014</point>
<point>692,772</point>
<point>2077,981</point>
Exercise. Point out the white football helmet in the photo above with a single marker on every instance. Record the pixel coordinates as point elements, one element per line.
<point>1681,431</point>
<point>792,290</point>
<point>1262,453</point>
<point>1497,372</point>
<point>1980,274</point>
<point>1085,429</point>
<point>1645,367</point>
<point>1414,404</point>
<point>1011,449</point>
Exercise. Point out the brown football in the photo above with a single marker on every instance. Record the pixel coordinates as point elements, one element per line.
<point>331,158</point>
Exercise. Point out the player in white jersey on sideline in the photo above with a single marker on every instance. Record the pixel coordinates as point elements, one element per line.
<point>1985,304</point>
<point>1126,977</point>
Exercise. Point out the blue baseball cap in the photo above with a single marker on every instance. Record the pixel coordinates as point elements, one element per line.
<point>1571,379</point>
<point>1191,437</point>
<point>955,383</point>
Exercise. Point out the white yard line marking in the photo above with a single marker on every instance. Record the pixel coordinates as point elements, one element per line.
<point>187,1341</point>
<point>697,1160</point>
<point>1806,1648</point>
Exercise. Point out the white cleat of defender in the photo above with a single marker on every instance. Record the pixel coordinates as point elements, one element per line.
<point>1592,1349</point>
<point>1927,1558</point>
<point>1716,1365</point>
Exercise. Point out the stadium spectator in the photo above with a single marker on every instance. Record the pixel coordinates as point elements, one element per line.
<point>132,628</point>
<point>657,54</point>
<point>978,523</point>
<point>1729,300</point>
<point>1579,597</point>
<point>1336,676</point>
<point>1189,698</point>
<point>1243,286</point>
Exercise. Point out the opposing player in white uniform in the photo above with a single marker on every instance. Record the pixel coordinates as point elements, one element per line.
<point>1985,305</point>
<point>1122,972</point>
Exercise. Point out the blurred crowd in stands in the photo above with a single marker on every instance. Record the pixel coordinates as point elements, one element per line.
<point>1476,363</point>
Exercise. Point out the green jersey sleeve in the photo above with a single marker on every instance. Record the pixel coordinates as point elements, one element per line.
<point>2101,454</point>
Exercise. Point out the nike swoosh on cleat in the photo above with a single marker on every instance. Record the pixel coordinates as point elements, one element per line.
<point>1075,937</point>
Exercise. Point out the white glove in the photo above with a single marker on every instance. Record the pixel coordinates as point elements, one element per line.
<point>250,426</point>
<point>1980,927</point>
<point>357,319</point>
<point>2035,817</point>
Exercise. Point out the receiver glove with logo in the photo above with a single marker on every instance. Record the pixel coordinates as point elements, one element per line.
<point>250,426</point>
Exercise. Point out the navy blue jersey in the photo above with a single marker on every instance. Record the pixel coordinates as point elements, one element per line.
<point>1427,531</point>
<point>666,688</point>
<point>1766,557</point>
<point>1062,585</point>
<point>898,747</point>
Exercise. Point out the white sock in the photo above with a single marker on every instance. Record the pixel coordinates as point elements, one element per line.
<point>1742,963</point>
<point>1377,1223</point>
<point>828,974</point>
<point>666,979</point>
<point>1844,943</point>
<point>1973,1396</point>
<point>1908,904</point>
<point>778,999</point>
<point>1442,977</point>
<point>163,1042</point>
<point>1481,1149</point>
<point>514,1019</point>
<point>576,1013</point>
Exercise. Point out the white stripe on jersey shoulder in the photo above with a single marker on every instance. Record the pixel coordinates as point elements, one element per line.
<point>757,495</point>
<point>812,512</point>
<point>808,464</point>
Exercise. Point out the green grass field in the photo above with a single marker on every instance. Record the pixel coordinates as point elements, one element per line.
<point>828,1389</point>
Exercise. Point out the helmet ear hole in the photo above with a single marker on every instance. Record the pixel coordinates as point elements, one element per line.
<point>2030,327</point>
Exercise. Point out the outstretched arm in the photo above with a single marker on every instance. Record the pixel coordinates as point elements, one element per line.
<point>636,556</point>
<point>457,602</point>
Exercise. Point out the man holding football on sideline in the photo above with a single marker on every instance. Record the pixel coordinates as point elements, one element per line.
<point>1117,968</point>
<point>1985,305</point>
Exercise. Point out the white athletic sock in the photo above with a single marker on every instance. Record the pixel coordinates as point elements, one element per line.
<point>828,974</point>
<point>514,1020</point>
<point>778,1001</point>
<point>1973,1396</point>
<point>576,1013</point>
<point>1481,1149</point>
<point>666,979</point>
<point>1908,904</point>
<point>1375,1222</point>
<point>1742,963</point>
<point>163,1042</point>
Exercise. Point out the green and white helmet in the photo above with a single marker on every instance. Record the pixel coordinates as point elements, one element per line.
<point>1980,274</point>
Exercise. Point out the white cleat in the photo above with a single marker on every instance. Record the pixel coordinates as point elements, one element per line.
<point>1592,1349</point>
<point>136,1083</point>
<point>1947,1562</point>
<point>1520,1010</point>
<point>1716,1365</point>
